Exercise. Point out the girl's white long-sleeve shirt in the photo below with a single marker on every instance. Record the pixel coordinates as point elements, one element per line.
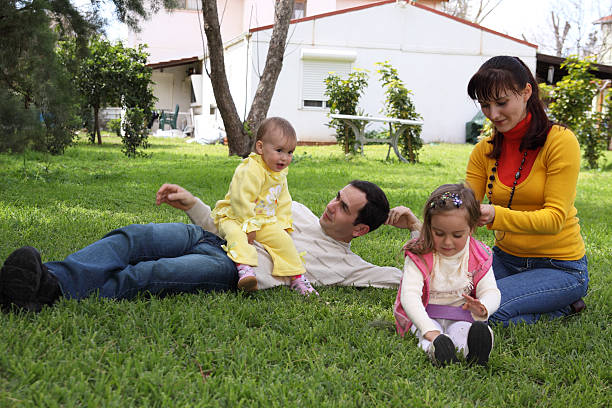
<point>449,280</point>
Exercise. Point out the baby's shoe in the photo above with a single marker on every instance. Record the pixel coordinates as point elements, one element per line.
<point>302,286</point>
<point>442,351</point>
<point>480,343</point>
<point>246,278</point>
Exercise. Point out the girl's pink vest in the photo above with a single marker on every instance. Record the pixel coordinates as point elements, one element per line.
<point>479,262</point>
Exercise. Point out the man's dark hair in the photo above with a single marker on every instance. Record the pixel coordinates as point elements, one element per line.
<point>376,210</point>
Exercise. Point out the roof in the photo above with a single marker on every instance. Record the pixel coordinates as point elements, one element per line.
<point>173,63</point>
<point>418,5</point>
<point>604,20</point>
<point>543,62</point>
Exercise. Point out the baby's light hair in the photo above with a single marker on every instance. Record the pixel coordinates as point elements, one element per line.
<point>276,122</point>
<point>445,198</point>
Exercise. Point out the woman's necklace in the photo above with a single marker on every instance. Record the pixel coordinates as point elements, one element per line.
<point>517,176</point>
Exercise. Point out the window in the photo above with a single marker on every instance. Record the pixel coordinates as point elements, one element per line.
<point>316,66</point>
<point>299,9</point>
<point>188,5</point>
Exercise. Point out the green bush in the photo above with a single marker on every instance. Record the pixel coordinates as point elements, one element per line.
<point>114,125</point>
<point>398,104</point>
<point>344,97</point>
<point>571,105</point>
<point>135,133</point>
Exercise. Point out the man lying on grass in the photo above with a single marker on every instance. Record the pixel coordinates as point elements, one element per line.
<point>175,258</point>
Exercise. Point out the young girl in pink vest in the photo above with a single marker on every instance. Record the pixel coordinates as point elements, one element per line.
<point>448,289</point>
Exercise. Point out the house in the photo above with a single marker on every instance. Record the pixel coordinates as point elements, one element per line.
<point>606,32</point>
<point>435,55</point>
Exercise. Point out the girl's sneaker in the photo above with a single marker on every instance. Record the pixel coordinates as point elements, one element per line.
<point>480,343</point>
<point>442,351</point>
<point>302,286</point>
<point>246,278</point>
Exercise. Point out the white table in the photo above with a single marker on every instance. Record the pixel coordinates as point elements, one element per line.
<point>353,121</point>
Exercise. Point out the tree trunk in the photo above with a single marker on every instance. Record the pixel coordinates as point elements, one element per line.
<point>274,63</point>
<point>239,140</point>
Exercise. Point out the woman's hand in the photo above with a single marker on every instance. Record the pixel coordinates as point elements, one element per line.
<point>474,306</point>
<point>403,217</point>
<point>487,214</point>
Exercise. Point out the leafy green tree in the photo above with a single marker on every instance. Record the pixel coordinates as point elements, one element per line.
<point>606,119</point>
<point>571,105</point>
<point>398,104</point>
<point>344,97</point>
<point>109,75</point>
<point>572,97</point>
<point>31,75</point>
<point>20,127</point>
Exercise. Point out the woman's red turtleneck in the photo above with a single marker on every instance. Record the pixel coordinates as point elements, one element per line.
<point>510,158</point>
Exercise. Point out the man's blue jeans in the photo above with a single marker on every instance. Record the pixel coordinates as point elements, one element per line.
<point>153,258</point>
<point>535,287</point>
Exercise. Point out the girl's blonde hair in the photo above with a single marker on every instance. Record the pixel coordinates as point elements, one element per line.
<point>445,198</point>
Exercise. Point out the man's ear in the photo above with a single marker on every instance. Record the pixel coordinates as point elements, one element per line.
<point>360,229</point>
<point>259,147</point>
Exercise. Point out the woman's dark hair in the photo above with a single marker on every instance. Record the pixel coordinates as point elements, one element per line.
<point>502,74</point>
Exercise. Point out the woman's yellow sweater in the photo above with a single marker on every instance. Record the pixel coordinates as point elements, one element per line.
<point>542,222</point>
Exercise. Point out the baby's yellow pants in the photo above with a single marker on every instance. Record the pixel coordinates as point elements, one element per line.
<point>274,239</point>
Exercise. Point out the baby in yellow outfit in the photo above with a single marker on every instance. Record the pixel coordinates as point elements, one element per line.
<point>258,207</point>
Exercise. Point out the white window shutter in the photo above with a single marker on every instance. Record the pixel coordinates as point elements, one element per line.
<point>314,74</point>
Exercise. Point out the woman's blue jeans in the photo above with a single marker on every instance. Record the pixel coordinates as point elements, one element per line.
<point>535,287</point>
<point>153,258</point>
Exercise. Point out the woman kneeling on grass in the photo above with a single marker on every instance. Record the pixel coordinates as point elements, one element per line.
<point>528,170</point>
<point>448,289</point>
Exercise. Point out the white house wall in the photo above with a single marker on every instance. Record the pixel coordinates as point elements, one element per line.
<point>238,73</point>
<point>172,86</point>
<point>169,36</point>
<point>435,56</point>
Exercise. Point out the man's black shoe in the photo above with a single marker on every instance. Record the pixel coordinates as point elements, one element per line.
<point>578,306</point>
<point>25,282</point>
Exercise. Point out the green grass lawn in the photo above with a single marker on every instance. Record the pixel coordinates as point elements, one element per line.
<point>273,348</point>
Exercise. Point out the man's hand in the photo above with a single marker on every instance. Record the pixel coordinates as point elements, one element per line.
<point>251,237</point>
<point>175,196</point>
<point>403,217</point>
<point>487,214</point>
<point>474,306</point>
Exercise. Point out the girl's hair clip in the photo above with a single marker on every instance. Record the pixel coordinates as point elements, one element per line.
<point>441,201</point>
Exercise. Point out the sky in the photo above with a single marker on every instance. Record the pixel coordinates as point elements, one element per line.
<point>513,17</point>
<point>115,31</point>
<point>531,19</point>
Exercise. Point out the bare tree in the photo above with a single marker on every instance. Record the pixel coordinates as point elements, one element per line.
<point>239,134</point>
<point>559,34</point>
<point>570,29</point>
<point>484,8</point>
<point>472,10</point>
<point>457,8</point>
